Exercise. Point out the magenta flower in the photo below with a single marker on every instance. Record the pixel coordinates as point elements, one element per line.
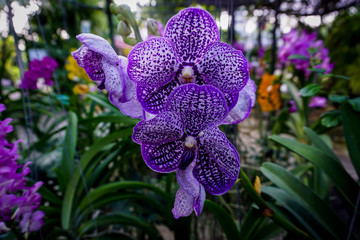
<point>318,102</point>
<point>189,52</point>
<point>14,194</point>
<point>292,106</point>
<point>39,69</point>
<point>108,70</point>
<point>185,133</point>
<point>300,44</point>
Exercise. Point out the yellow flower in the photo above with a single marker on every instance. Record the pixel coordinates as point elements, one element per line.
<point>75,72</point>
<point>268,93</point>
<point>257,185</point>
<point>80,89</point>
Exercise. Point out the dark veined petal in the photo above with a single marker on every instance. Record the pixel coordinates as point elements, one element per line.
<point>199,201</point>
<point>153,99</point>
<point>192,30</point>
<point>165,127</point>
<point>209,174</point>
<point>117,80</point>
<point>188,182</point>
<point>246,101</point>
<point>163,157</point>
<point>221,151</point>
<point>92,63</point>
<point>99,45</point>
<point>199,106</point>
<point>231,99</point>
<point>224,67</point>
<point>153,62</point>
<point>184,204</point>
<point>130,108</point>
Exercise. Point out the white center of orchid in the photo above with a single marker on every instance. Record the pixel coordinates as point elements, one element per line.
<point>190,142</point>
<point>187,75</point>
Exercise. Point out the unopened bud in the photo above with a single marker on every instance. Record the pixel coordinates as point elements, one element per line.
<point>152,27</point>
<point>123,29</point>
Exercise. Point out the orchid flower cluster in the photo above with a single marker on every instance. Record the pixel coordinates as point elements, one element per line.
<point>18,202</point>
<point>182,85</point>
<point>39,69</point>
<point>305,44</point>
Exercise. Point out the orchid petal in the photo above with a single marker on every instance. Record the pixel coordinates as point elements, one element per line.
<point>117,80</point>
<point>192,30</point>
<point>199,106</point>
<point>153,62</point>
<point>241,110</point>
<point>188,182</point>
<point>184,204</point>
<point>152,99</point>
<point>163,157</point>
<point>99,45</point>
<point>92,63</point>
<point>165,127</point>
<point>221,151</point>
<point>231,99</point>
<point>208,172</point>
<point>199,201</point>
<point>224,67</point>
<point>130,108</point>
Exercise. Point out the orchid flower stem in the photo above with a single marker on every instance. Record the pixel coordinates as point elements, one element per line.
<point>245,182</point>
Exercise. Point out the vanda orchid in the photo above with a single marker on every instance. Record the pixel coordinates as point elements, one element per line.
<point>185,137</point>
<point>191,83</point>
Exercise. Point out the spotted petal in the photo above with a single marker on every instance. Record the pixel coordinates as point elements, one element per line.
<point>224,67</point>
<point>92,63</point>
<point>192,30</point>
<point>244,104</point>
<point>153,99</point>
<point>231,99</point>
<point>221,151</point>
<point>199,201</point>
<point>153,62</point>
<point>184,204</point>
<point>199,106</point>
<point>208,172</point>
<point>165,127</point>
<point>99,45</point>
<point>163,157</point>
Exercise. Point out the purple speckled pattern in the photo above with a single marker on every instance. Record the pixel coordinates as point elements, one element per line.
<point>92,63</point>
<point>192,30</point>
<point>165,127</point>
<point>189,125</point>
<point>199,106</point>
<point>190,44</point>
<point>163,157</point>
<point>210,175</point>
<point>153,62</point>
<point>224,67</point>
<point>152,99</point>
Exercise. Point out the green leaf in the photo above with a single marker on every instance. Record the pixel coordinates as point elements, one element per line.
<point>227,223</point>
<point>119,218</point>
<point>335,76</point>
<point>317,70</point>
<point>67,162</point>
<point>318,142</point>
<point>351,119</point>
<point>355,103</point>
<point>298,56</point>
<point>69,196</point>
<point>331,119</point>
<point>49,196</point>
<point>338,98</point>
<point>103,101</point>
<point>306,198</point>
<point>333,168</point>
<point>293,90</point>
<point>310,90</point>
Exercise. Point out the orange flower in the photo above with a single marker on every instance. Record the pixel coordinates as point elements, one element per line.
<point>268,93</point>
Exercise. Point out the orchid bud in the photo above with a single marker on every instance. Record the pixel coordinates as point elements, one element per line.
<point>123,29</point>
<point>152,27</point>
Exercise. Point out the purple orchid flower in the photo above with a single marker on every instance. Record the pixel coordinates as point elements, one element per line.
<point>189,52</point>
<point>318,102</point>
<point>185,137</point>
<point>108,70</point>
